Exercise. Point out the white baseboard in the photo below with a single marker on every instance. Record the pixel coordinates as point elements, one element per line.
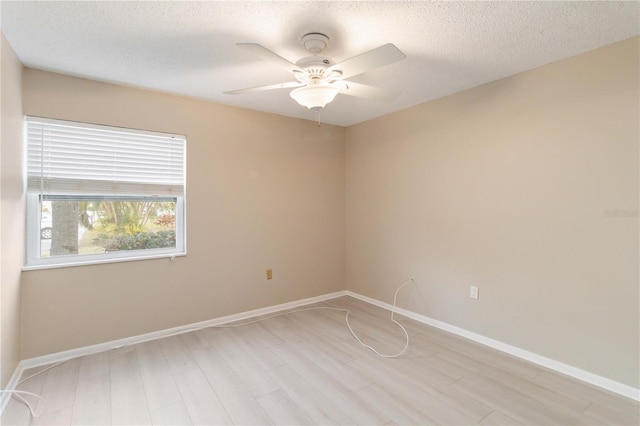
<point>100,347</point>
<point>568,370</point>
<point>585,376</point>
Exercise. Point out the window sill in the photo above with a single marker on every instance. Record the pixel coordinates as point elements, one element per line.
<point>169,256</point>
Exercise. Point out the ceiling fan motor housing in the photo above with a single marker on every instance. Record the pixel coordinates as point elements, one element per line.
<point>314,67</point>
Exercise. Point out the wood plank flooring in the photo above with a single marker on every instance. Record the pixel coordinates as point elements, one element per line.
<point>305,368</point>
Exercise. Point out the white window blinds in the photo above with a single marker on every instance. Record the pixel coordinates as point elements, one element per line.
<point>68,158</point>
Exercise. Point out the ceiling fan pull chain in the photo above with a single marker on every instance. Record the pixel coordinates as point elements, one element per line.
<point>318,117</point>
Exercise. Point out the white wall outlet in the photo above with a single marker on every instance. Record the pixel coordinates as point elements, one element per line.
<point>473,292</point>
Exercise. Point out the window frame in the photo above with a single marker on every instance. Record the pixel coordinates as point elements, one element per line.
<point>33,211</point>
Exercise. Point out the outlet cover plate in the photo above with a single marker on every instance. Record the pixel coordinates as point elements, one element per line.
<point>473,292</point>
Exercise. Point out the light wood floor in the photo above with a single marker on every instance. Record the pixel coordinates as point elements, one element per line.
<point>305,368</point>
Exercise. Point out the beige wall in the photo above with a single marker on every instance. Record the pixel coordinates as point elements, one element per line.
<point>508,187</point>
<point>263,191</point>
<point>11,210</point>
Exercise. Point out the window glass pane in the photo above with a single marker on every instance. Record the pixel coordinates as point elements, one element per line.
<point>86,225</point>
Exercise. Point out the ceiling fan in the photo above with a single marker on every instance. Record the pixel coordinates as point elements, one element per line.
<point>319,79</point>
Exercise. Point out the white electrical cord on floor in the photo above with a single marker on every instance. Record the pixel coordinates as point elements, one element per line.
<point>393,311</point>
<point>346,318</point>
<point>17,393</point>
<point>42,371</point>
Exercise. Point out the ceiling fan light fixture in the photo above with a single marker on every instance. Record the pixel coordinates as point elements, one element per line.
<point>314,96</point>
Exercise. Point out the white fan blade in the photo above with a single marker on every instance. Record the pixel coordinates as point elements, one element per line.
<point>374,58</point>
<point>264,88</point>
<point>265,53</point>
<point>368,92</point>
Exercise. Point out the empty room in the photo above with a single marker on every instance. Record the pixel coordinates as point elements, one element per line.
<point>320,212</point>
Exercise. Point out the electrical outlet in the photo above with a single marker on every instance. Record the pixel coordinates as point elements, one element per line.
<point>269,274</point>
<point>473,292</point>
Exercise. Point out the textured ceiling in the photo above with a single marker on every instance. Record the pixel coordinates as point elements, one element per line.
<point>189,48</point>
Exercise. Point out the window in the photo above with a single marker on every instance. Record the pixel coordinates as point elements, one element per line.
<point>102,194</point>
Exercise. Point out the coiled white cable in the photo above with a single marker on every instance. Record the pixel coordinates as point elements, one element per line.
<point>393,311</point>
<point>346,318</point>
